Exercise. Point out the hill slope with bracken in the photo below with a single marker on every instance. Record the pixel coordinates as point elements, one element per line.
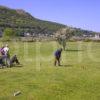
<point>24,22</point>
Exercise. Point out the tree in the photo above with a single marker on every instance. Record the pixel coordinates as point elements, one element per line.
<point>9,34</point>
<point>63,35</point>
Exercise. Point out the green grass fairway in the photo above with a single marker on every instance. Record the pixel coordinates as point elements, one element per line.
<point>77,79</point>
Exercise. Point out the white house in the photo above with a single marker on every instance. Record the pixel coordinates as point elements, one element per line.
<point>97,36</point>
<point>27,34</point>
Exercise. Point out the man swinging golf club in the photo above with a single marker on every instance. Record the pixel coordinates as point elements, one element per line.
<point>57,55</point>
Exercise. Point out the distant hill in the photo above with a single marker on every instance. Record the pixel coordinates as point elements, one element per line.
<point>23,22</point>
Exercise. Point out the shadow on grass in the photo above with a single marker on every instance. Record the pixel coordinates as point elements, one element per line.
<point>65,66</point>
<point>72,50</point>
<point>17,66</point>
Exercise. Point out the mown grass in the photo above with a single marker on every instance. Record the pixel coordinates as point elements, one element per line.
<point>77,79</point>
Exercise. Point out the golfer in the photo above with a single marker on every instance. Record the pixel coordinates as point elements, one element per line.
<point>57,55</point>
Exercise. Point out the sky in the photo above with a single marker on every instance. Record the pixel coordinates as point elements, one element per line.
<point>83,14</point>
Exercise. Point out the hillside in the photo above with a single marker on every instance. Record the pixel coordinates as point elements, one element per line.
<point>24,22</point>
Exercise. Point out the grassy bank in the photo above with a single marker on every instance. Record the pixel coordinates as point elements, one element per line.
<point>77,79</point>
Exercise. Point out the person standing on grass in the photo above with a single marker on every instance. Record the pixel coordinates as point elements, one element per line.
<point>2,57</point>
<point>57,55</point>
<point>7,55</point>
<point>6,49</point>
<point>2,51</point>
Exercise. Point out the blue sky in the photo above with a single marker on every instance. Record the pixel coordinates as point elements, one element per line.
<point>83,14</point>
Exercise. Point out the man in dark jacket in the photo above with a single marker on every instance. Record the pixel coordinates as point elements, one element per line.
<point>13,60</point>
<point>57,55</point>
<point>2,63</point>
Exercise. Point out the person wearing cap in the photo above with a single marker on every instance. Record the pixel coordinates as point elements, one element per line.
<point>6,50</point>
<point>13,60</point>
<point>2,56</point>
<point>7,55</point>
<point>57,55</point>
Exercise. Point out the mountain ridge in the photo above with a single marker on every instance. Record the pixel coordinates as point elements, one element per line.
<point>24,22</point>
